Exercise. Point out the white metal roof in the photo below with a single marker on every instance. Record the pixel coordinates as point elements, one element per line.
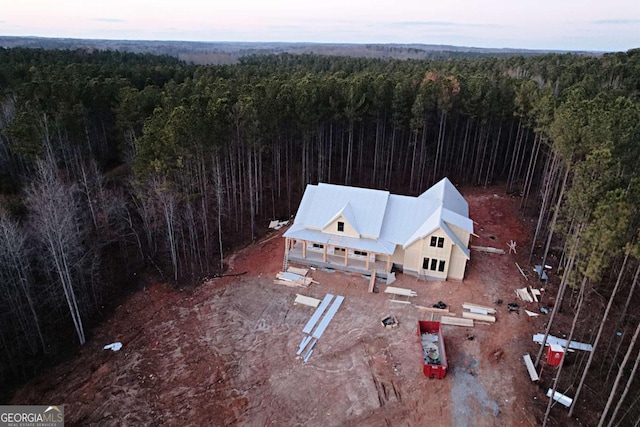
<point>364,206</point>
<point>383,220</point>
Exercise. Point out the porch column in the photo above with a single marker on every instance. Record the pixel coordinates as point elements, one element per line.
<point>367,262</point>
<point>286,245</point>
<point>324,253</point>
<point>346,255</point>
<point>304,249</point>
<point>388,262</point>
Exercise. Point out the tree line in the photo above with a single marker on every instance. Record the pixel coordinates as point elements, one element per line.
<point>154,165</point>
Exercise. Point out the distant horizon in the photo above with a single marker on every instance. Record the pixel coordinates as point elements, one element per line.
<point>546,25</point>
<point>307,43</point>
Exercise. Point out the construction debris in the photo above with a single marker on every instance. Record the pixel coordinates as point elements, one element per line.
<point>113,346</point>
<point>531,313</point>
<point>442,311</point>
<point>487,310</point>
<point>512,247</point>
<point>560,398</point>
<point>400,292</point>
<point>479,317</point>
<point>488,249</point>
<point>391,277</point>
<point>530,368</point>
<point>540,271</point>
<point>455,321</point>
<point>441,305</point>
<point>521,272</point>
<point>298,271</point>
<point>512,306</point>
<point>523,294</point>
<point>304,300</point>
<point>277,225</point>
<point>389,322</point>
<point>292,279</point>
<point>573,345</point>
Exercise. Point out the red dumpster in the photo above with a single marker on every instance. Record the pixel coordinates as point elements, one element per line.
<point>554,354</point>
<point>434,356</point>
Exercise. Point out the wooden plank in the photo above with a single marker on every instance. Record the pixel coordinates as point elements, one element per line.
<point>443,311</point>
<point>574,345</point>
<point>531,313</point>
<point>400,301</point>
<point>522,272</point>
<point>480,317</point>
<point>286,283</point>
<point>535,292</point>
<point>305,300</point>
<point>400,291</point>
<point>478,310</point>
<point>372,282</point>
<point>530,368</point>
<point>298,271</point>
<point>456,321</point>
<point>289,276</point>
<point>560,398</point>
<point>535,298</point>
<point>488,249</point>
<point>308,355</point>
<point>316,315</point>
<point>327,317</point>
<point>468,306</point>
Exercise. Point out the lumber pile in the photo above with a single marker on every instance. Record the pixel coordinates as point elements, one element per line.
<point>456,321</point>
<point>479,312</point>
<point>305,300</point>
<point>528,294</point>
<point>400,292</point>
<point>487,249</point>
<point>293,280</point>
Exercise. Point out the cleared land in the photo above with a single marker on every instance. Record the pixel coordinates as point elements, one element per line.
<point>224,352</point>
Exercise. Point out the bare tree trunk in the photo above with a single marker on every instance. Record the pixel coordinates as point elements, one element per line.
<point>600,328</point>
<point>612,394</point>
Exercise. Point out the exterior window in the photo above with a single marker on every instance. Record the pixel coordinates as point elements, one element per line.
<point>360,253</point>
<point>340,226</point>
<point>434,239</point>
<point>440,242</point>
<point>425,263</point>
<point>338,251</point>
<point>318,246</point>
<point>434,264</point>
<point>441,266</point>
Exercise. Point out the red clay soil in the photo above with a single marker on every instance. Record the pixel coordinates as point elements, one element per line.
<point>223,353</point>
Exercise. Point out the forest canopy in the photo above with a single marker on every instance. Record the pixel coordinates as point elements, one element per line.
<point>116,164</point>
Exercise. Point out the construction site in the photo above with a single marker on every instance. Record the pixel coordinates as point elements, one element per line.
<point>267,345</point>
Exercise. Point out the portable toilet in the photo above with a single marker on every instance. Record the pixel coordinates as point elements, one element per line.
<point>554,354</point>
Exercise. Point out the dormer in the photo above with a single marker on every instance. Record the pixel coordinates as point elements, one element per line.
<point>343,223</point>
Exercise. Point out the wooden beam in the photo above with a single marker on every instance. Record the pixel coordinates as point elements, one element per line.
<point>480,317</point>
<point>530,368</point>
<point>304,249</point>
<point>488,249</point>
<point>444,311</point>
<point>372,282</point>
<point>400,291</point>
<point>388,262</point>
<point>455,321</point>
<point>468,306</point>
<point>305,300</point>
<point>324,253</point>
<point>367,262</point>
<point>346,257</point>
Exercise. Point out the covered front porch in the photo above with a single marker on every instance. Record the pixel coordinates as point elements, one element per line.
<point>325,256</point>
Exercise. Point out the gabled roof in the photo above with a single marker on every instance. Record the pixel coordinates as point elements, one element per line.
<point>448,195</point>
<point>362,207</point>
<point>383,220</point>
<point>348,214</point>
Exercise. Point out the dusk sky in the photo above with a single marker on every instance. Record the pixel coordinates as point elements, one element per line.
<point>600,25</point>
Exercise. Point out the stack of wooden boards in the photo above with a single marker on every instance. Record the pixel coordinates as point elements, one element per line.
<point>524,295</point>
<point>479,312</point>
<point>294,277</point>
<point>400,292</point>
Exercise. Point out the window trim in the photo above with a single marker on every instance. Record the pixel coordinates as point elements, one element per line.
<point>341,226</point>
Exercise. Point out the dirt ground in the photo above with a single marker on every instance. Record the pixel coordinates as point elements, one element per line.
<point>223,354</point>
